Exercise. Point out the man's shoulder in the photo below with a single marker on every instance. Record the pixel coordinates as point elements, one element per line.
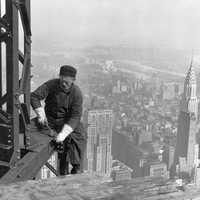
<point>52,82</point>
<point>77,90</point>
<point>76,87</point>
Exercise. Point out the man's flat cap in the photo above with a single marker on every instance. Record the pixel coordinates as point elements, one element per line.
<point>67,70</point>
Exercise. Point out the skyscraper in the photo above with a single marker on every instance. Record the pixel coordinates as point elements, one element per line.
<point>185,152</point>
<point>98,156</point>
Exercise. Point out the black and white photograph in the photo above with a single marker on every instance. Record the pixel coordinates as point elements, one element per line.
<point>99,100</point>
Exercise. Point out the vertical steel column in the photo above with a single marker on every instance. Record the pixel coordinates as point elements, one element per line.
<point>15,118</point>
<point>12,75</point>
<point>27,51</point>
<point>1,88</point>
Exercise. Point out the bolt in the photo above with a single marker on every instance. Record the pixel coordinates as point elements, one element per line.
<point>18,157</point>
<point>9,141</point>
<point>9,35</point>
<point>17,95</point>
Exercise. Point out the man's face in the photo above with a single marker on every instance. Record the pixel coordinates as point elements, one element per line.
<point>66,81</point>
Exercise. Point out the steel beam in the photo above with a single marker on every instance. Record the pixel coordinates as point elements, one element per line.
<point>24,8</point>
<point>1,84</point>
<point>12,75</point>
<point>26,77</point>
<point>19,164</point>
<point>4,99</point>
<point>9,34</point>
<point>30,164</point>
<point>21,56</point>
<point>52,169</point>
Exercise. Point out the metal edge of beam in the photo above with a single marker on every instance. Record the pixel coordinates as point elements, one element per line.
<point>25,73</point>
<point>3,163</point>
<point>51,168</point>
<point>4,99</point>
<point>25,16</point>
<point>27,49</point>
<point>1,76</point>
<point>21,56</point>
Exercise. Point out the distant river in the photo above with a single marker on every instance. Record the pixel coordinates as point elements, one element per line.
<point>145,68</point>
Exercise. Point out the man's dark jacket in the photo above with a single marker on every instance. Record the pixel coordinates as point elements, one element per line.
<point>61,106</point>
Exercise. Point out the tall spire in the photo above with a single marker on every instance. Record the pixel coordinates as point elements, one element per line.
<point>189,101</point>
<point>191,77</point>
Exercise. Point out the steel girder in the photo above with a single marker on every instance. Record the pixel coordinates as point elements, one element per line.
<point>19,162</point>
<point>41,148</point>
<point>16,85</point>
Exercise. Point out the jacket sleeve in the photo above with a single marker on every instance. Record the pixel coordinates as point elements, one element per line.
<point>39,94</point>
<point>76,109</point>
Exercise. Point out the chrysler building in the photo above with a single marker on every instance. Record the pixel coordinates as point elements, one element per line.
<point>186,152</point>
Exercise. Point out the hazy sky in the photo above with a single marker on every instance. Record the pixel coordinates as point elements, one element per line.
<point>166,23</point>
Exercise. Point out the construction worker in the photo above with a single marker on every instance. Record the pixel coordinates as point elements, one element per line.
<point>62,111</point>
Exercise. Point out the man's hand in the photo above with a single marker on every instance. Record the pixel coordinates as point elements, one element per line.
<point>41,115</point>
<point>66,130</point>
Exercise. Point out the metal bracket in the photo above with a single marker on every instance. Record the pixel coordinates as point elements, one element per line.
<point>4,36</point>
<point>4,23</point>
<point>6,147</point>
<point>17,3</point>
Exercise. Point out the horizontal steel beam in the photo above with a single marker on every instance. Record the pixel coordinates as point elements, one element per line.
<point>5,147</point>
<point>2,163</point>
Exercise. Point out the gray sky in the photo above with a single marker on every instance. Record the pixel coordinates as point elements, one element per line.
<point>165,23</point>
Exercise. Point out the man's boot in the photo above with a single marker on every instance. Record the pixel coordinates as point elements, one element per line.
<point>75,169</point>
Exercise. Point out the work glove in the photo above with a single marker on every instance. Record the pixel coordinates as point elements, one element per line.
<point>41,115</point>
<point>66,130</point>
